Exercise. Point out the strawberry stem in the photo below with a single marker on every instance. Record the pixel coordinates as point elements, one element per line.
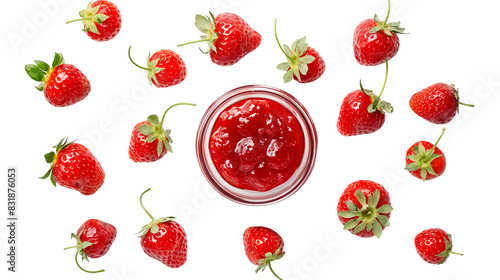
<point>277,40</point>
<point>193,42</point>
<point>444,129</point>
<point>385,79</point>
<point>78,19</point>
<point>388,12</point>
<point>460,254</point>
<point>164,114</point>
<point>465,104</point>
<point>133,62</point>
<point>271,268</point>
<point>88,271</point>
<point>142,205</point>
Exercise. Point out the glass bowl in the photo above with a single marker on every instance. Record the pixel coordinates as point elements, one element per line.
<point>248,197</point>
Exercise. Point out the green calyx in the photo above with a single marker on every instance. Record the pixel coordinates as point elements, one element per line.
<point>205,25</point>
<point>447,251</point>
<point>51,158</point>
<point>270,257</point>
<point>90,17</point>
<point>422,159</point>
<point>151,67</point>
<point>296,60</point>
<point>458,99</point>
<point>153,225</point>
<point>388,28</point>
<point>368,216</point>
<point>80,250</point>
<point>154,131</point>
<point>377,103</point>
<point>40,71</point>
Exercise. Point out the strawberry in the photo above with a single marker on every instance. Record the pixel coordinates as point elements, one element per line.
<point>73,166</point>
<point>164,240</point>
<point>437,103</point>
<point>364,208</point>
<point>94,238</point>
<point>434,245</point>
<point>304,63</point>
<point>165,68</point>
<point>263,246</point>
<point>376,41</point>
<point>101,20</point>
<point>425,160</point>
<point>362,112</point>
<point>149,139</point>
<point>229,37</point>
<point>62,84</point>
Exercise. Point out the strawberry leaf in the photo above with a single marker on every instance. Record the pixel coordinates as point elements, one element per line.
<point>42,65</point>
<point>35,72</point>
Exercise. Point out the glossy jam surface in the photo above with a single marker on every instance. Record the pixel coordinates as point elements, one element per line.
<point>256,144</point>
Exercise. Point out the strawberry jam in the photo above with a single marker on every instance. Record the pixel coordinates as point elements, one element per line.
<point>256,144</point>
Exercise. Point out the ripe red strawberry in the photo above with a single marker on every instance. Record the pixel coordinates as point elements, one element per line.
<point>229,37</point>
<point>73,166</point>
<point>434,245</point>
<point>263,246</point>
<point>94,238</point>
<point>364,208</point>
<point>376,41</point>
<point>101,20</point>
<point>164,240</point>
<point>437,103</point>
<point>425,160</point>
<point>304,63</point>
<point>165,68</point>
<point>149,139</point>
<point>362,112</point>
<point>62,84</point>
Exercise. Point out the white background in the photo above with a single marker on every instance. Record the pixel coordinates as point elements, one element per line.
<point>448,41</point>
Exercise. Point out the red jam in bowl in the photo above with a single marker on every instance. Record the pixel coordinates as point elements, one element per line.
<point>256,144</point>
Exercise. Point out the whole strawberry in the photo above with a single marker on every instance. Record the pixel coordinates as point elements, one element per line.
<point>149,141</point>
<point>362,112</point>
<point>229,37</point>
<point>165,68</point>
<point>364,208</point>
<point>437,103</point>
<point>434,245</point>
<point>73,166</point>
<point>62,84</point>
<point>304,63</point>
<point>263,246</point>
<point>425,160</point>
<point>164,240</point>
<point>101,20</point>
<point>376,41</point>
<point>94,238</point>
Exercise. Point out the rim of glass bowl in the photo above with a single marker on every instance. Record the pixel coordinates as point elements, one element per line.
<point>248,197</point>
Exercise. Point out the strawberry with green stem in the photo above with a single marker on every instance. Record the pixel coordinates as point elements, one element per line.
<point>62,84</point>
<point>164,239</point>
<point>363,112</point>
<point>73,166</point>
<point>376,41</point>
<point>101,20</point>
<point>149,141</point>
<point>262,246</point>
<point>434,245</point>
<point>425,160</point>
<point>229,37</point>
<point>364,208</point>
<point>94,240</point>
<point>438,103</point>
<point>165,68</point>
<point>304,64</point>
